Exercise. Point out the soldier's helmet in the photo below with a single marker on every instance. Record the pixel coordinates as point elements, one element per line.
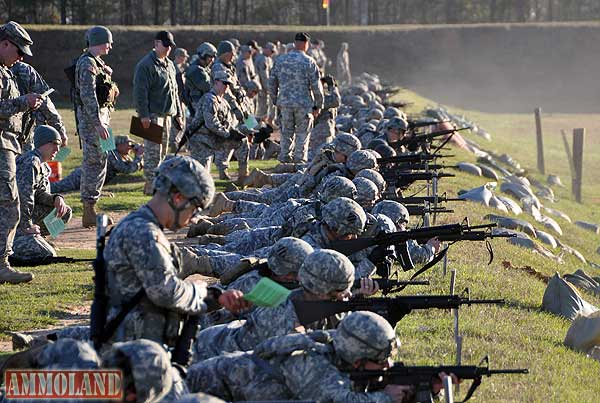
<point>374,177</point>
<point>361,159</point>
<point>68,353</point>
<point>287,254</point>
<point>391,111</point>
<point>375,113</point>
<point>397,123</point>
<point>385,150</point>
<point>346,143</point>
<point>366,192</point>
<point>180,52</point>
<point>325,271</point>
<point>336,186</point>
<point>393,210</point>
<point>364,336</point>
<point>206,49</point>
<point>344,216</point>
<point>225,47</point>
<point>223,76</point>
<point>187,176</point>
<point>149,364</point>
<point>98,35</point>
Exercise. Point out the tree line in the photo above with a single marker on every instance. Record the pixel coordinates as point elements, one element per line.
<point>294,12</point>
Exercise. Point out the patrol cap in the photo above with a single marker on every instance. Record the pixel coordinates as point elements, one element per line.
<point>17,35</point>
<point>302,37</point>
<point>98,35</point>
<point>223,77</point>
<point>166,38</point>
<point>180,52</point>
<point>225,47</point>
<point>235,42</point>
<point>45,134</point>
<point>123,139</point>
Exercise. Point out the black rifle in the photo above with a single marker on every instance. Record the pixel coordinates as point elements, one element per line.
<point>45,261</point>
<point>401,168</point>
<point>423,377</point>
<point>262,134</point>
<point>398,104</point>
<point>404,179</point>
<point>182,352</point>
<point>392,309</point>
<point>415,209</point>
<point>388,286</point>
<point>99,308</point>
<point>411,158</point>
<point>412,125</point>
<point>189,132</point>
<point>430,199</point>
<point>418,139</point>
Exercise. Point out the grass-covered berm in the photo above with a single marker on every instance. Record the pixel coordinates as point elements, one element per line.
<point>516,335</point>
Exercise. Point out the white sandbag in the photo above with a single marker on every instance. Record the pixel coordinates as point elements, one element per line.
<point>562,298</point>
<point>584,332</point>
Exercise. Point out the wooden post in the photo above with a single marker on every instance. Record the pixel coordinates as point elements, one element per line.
<point>568,152</point>
<point>578,136</point>
<point>540,140</point>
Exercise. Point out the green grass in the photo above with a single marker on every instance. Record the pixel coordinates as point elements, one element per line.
<point>516,335</point>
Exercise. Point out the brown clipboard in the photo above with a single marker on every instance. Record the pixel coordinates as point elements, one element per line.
<point>154,133</point>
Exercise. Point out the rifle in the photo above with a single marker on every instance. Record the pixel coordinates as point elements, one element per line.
<point>405,179</point>
<point>188,133</point>
<point>430,199</point>
<point>419,166</point>
<point>262,134</point>
<point>411,158</point>
<point>392,309</point>
<point>412,125</point>
<point>14,261</point>
<point>428,137</point>
<point>182,352</point>
<point>99,307</point>
<point>389,286</point>
<point>415,209</point>
<point>423,377</point>
<point>399,104</point>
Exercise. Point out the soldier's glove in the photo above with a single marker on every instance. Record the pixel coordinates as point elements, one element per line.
<point>262,134</point>
<point>236,135</point>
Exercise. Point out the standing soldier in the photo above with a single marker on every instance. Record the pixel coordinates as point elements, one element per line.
<point>95,94</point>
<point>245,66</point>
<point>264,64</point>
<point>14,44</point>
<point>324,129</point>
<point>29,80</point>
<point>343,65</point>
<point>197,77</point>
<point>180,58</point>
<point>155,98</point>
<point>295,88</point>
<point>239,105</point>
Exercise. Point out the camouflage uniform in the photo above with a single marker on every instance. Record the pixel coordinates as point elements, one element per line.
<point>263,65</point>
<point>30,81</point>
<point>116,164</point>
<point>295,88</point>
<point>343,65</point>
<point>197,83</point>
<point>324,129</point>
<point>155,97</point>
<point>36,203</point>
<point>91,115</point>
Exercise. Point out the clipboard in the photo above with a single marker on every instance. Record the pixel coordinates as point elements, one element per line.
<point>154,133</point>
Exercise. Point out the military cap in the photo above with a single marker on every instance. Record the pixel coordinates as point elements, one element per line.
<point>206,48</point>
<point>336,186</point>
<point>123,140</point>
<point>16,34</point>
<point>235,42</point>
<point>364,336</point>
<point>346,143</point>
<point>180,52</point>
<point>45,134</point>
<point>188,177</point>
<point>270,46</point>
<point>223,77</point>
<point>68,353</point>
<point>302,37</point>
<point>225,47</point>
<point>325,271</point>
<point>166,38</point>
<point>287,254</point>
<point>344,216</point>
<point>98,35</point>
<point>393,210</point>
<point>245,49</point>
<point>150,367</point>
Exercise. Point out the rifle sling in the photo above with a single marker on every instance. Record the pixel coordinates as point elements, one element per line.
<point>429,265</point>
<point>114,323</point>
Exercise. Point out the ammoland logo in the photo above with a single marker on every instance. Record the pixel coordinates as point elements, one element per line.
<point>64,384</point>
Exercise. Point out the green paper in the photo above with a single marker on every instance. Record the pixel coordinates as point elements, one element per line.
<point>108,144</point>
<point>62,154</point>
<point>251,122</point>
<point>267,293</point>
<point>54,224</point>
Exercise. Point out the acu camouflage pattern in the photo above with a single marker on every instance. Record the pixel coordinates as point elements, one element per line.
<point>197,83</point>
<point>325,271</point>
<point>324,130</point>
<point>68,354</point>
<point>91,115</point>
<point>263,65</point>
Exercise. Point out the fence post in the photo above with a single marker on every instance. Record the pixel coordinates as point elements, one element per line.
<point>578,136</point>
<point>568,152</point>
<point>540,141</point>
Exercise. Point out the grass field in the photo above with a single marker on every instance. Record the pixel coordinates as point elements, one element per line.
<point>516,335</point>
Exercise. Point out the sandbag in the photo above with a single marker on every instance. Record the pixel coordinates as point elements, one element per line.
<point>583,281</point>
<point>584,332</point>
<point>562,298</point>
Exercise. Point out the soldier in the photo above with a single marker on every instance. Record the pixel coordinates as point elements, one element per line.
<point>216,123</point>
<point>264,64</point>
<point>197,77</point>
<point>324,129</point>
<point>14,44</point>
<point>239,105</point>
<point>95,95</point>
<point>343,65</point>
<point>295,88</point>
<point>324,275</point>
<point>37,201</point>
<point>29,80</point>
<point>139,257</point>
<point>306,366</point>
<point>394,131</point>
<point>245,70</point>
<point>155,98</point>
<point>119,162</point>
<point>180,58</point>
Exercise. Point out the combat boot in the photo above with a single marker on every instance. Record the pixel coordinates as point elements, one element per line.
<point>221,204</point>
<point>89,214</point>
<point>208,239</point>
<point>148,188</point>
<point>13,276</point>
<point>242,176</point>
<point>224,175</point>
<point>224,228</point>
<point>258,178</point>
<point>21,341</point>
